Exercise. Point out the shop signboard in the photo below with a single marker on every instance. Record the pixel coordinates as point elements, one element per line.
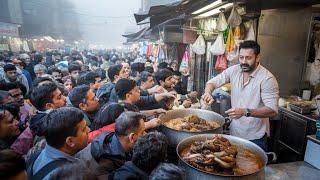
<point>8,29</point>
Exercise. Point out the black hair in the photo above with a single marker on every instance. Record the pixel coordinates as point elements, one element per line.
<point>39,80</point>
<point>74,67</point>
<point>163,65</point>
<point>162,74</point>
<point>102,73</point>
<point>144,76</point>
<point>55,69</point>
<point>137,67</point>
<point>9,67</point>
<point>87,78</point>
<point>176,73</point>
<point>13,108</point>
<point>167,171</point>
<point>250,45</point>
<point>13,85</point>
<point>42,95</point>
<point>73,171</point>
<point>11,164</point>
<point>149,69</point>
<point>62,123</point>
<point>107,115</point>
<point>78,95</point>
<point>128,122</point>
<point>124,86</point>
<point>3,95</point>
<point>149,151</point>
<point>113,71</point>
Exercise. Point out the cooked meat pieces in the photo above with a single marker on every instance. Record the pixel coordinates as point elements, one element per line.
<point>191,123</point>
<point>217,154</point>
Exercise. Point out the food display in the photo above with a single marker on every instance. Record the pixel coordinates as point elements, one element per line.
<point>219,156</point>
<point>191,123</point>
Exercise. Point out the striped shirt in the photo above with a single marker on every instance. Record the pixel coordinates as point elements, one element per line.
<point>260,90</point>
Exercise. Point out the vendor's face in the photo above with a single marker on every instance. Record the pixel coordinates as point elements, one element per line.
<point>8,125</point>
<point>12,75</point>
<point>248,60</point>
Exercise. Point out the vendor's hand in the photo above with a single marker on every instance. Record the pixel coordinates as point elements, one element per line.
<point>187,103</point>
<point>153,123</point>
<point>193,94</point>
<point>236,113</point>
<point>207,98</point>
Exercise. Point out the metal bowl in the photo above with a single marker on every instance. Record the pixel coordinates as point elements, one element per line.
<point>175,136</point>
<point>195,173</point>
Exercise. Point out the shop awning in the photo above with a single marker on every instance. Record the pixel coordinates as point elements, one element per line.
<point>137,35</point>
<point>273,4</point>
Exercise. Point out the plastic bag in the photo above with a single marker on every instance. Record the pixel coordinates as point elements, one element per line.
<point>221,63</point>
<point>199,47</point>
<point>222,22</point>
<point>234,18</point>
<point>184,62</point>
<point>251,35</point>
<point>230,44</point>
<point>208,24</point>
<point>237,33</point>
<point>218,47</point>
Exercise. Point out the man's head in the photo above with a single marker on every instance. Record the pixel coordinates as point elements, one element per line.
<point>176,77</point>
<point>146,80</point>
<point>129,127</point>
<point>11,72</point>
<point>5,97</point>
<point>83,97</point>
<point>90,78</point>
<point>40,70</point>
<point>126,69</point>
<point>116,72</point>
<point>127,90</point>
<point>47,96</point>
<point>74,70</point>
<point>39,81</point>
<point>249,55</point>
<point>12,165</point>
<point>167,171</point>
<point>66,130</point>
<point>15,91</point>
<point>149,151</point>
<point>8,121</point>
<point>56,73</point>
<point>174,65</point>
<point>164,78</point>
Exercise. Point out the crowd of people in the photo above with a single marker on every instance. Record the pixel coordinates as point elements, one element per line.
<point>87,116</point>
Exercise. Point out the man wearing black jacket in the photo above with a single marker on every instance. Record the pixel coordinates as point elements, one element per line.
<point>110,151</point>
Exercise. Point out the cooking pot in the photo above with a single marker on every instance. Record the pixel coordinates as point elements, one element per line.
<point>193,173</point>
<point>175,136</point>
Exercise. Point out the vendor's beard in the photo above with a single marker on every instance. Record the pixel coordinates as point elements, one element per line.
<point>247,67</point>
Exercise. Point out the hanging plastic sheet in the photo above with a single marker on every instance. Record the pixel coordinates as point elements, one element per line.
<point>222,24</point>
<point>199,47</point>
<point>234,19</point>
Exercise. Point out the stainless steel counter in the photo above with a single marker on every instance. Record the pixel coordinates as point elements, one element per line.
<point>294,170</point>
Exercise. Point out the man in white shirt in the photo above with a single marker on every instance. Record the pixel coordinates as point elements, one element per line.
<point>254,95</point>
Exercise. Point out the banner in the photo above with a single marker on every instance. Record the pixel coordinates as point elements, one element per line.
<point>7,29</point>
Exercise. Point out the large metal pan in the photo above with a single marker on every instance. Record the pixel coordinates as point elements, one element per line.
<point>193,173</point>
<point>175,136</point>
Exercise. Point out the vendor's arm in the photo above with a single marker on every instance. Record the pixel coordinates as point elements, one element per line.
<point>262,112</point>
<point>216,82</point>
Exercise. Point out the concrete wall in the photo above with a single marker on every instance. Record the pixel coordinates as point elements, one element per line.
<point>283,36</point>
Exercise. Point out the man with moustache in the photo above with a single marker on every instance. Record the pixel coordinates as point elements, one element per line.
<point>254,95</point>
